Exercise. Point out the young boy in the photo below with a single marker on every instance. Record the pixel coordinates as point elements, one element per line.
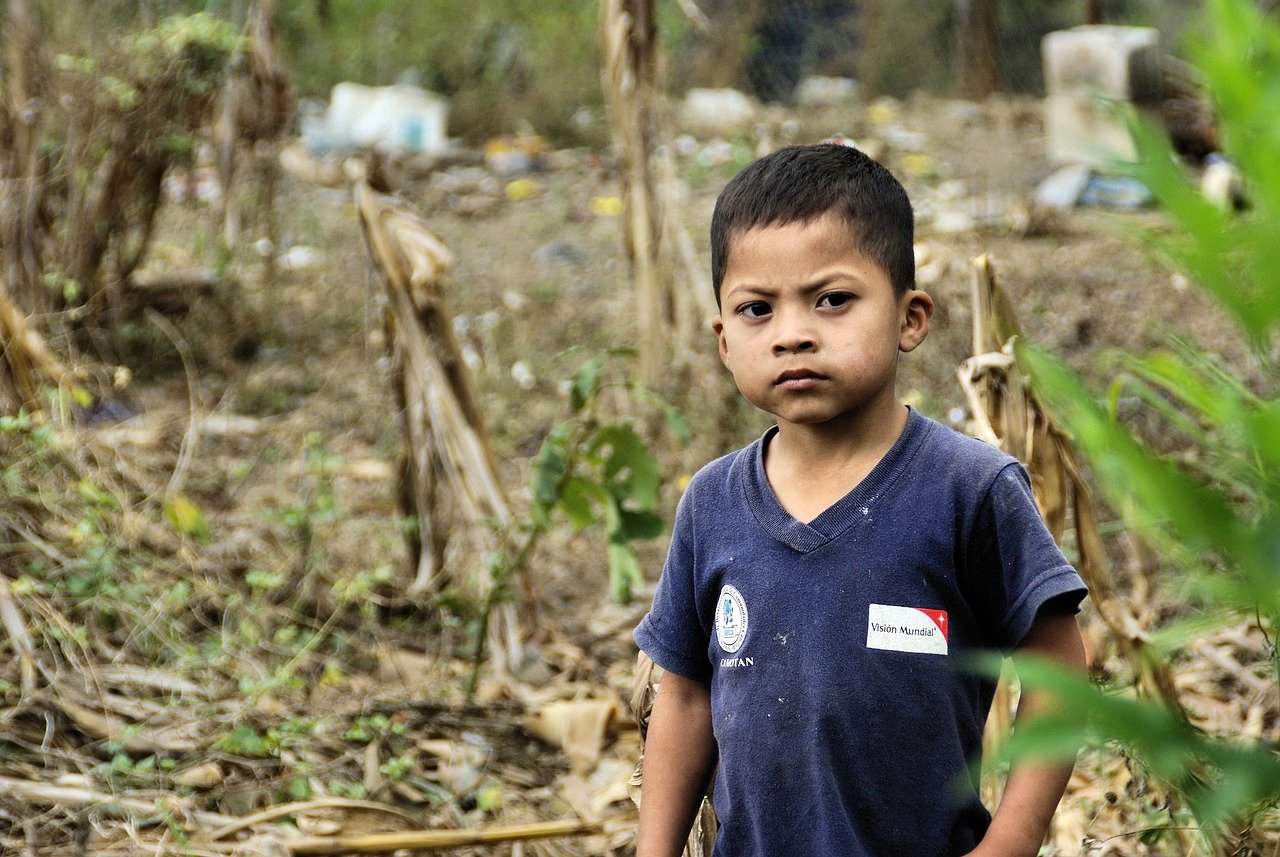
<point>823,582</point>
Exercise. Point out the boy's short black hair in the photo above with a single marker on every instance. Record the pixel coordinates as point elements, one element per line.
<point>802,183</point>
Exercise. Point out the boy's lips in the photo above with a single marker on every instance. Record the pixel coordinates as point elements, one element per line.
<point>798,379</point>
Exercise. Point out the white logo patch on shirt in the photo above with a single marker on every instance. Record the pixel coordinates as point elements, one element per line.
<point>907,629</point>
<point>731,619</point>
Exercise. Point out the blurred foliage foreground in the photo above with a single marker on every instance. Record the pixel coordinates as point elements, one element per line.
<point>1214,515</point>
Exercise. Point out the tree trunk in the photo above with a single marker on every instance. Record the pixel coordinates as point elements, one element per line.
<point>1093,12</point>
<point>977,24</point>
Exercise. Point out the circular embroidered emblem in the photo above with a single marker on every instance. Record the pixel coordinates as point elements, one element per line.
<point>731,619</point>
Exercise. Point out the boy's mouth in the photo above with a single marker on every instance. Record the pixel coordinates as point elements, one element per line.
<point>798,379</point>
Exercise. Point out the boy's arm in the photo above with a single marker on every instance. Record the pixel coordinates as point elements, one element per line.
<point>679,756</point>
<point>1034,788</point>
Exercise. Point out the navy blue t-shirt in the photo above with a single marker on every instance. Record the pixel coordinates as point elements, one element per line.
<point>843,723</point>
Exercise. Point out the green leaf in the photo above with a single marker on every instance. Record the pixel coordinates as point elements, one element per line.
<point>640,525</point>
<point>549,466</point>
<point>624,571</point>
<point>579,498</point>
<point>586,383</point>
<point>186,517</point>
<point>631,473</point>
<point>1162,493</point>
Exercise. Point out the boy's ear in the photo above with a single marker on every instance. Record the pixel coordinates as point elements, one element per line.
<point>917,310</point>
<point>717,325</point>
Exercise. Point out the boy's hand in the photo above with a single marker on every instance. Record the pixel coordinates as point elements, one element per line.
<point>679,756</point>
<point>1034,788</point>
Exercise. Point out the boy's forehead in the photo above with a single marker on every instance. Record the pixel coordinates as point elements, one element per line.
<point>828,233</point>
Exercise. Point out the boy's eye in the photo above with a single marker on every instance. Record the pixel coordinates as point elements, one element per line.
<point>835,299</point>
<point>755,309</point>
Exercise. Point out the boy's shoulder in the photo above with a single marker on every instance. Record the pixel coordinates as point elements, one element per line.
<point>963,454</point>
<point>717,476</point>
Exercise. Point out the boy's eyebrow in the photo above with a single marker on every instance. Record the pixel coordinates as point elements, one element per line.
<point>821,281</point>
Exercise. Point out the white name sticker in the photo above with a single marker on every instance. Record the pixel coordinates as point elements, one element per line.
<point>907,629</point>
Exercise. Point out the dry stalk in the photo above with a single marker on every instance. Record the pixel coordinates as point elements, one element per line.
<point>75,797</point>
<point>450,458</point>
<point>438,840</point>
<point>253,110</point>
<point>16,628</point>
<point>628,35</point>
<point>26,364</point>
<point>1008,415</point>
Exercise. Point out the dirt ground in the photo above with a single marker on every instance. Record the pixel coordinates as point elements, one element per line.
<point>317,386</point>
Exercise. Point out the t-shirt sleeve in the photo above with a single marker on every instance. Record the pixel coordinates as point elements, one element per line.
<point>1015,569</point>
<point>672,632</point>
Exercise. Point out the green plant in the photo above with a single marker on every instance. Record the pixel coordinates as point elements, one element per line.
<point>598,470</point>
<point>595,468</point>
<point>316,506</point>
<point>1215,514</point>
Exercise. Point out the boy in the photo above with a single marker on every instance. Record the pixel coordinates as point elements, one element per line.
<point>822,582</point>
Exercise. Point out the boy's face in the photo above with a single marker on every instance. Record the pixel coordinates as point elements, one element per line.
<point>809,326</point>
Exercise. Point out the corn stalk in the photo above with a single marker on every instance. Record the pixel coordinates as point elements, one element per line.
<point>450,470</point>
<point>1007,415</point>
<point>22,170</point>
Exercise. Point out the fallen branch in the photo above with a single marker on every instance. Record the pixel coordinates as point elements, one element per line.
<point>297,807</point>
<point>72,797</point>
<point>438,840</point>
<point>11,618</point>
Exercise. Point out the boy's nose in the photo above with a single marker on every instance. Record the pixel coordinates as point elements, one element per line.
<point>794,340</point>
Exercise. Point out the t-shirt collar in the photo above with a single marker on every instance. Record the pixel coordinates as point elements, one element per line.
<point>849,510</point>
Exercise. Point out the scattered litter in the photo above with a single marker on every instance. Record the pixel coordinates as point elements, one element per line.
<point>513,300</point>
<point>560,251</point>
<point>300,258</point>
<point>522,189</point>
<point>904,138</point>
<point>389,118</point>
<point>819,91</point>
<point>508,156</point>
<point>715,153</point>
<point>952,189</point>
<point>462,180</point>
<point>684,145</point>
<point>1222,184</point>
<point>523,375</point>
<point>962,111</point>
<point>1119,192</point>
<point>717,109</point>
<point>606,206</point>
<point>883,110</point>
<point>917,165</point>
<point>1063,188</point>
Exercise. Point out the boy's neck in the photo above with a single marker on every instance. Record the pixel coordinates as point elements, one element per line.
<point>811,467</point>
